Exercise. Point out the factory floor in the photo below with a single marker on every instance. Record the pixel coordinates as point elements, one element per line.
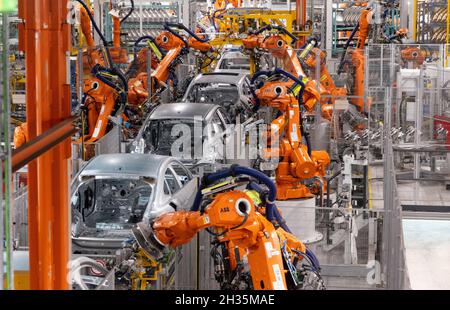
<point>427,244</point>
<point>426,228</point>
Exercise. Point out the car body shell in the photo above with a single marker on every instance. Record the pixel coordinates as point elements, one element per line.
<point>180,111</point>
<point>153,168</point>
<point>222,64</point>
<point>240,108</point>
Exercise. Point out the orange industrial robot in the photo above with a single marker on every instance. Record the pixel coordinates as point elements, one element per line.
<point>278,47</point>
<point>105,91</point>
<point>20,135</point>
<point>298,162</point>
<point>413,55</point>
<point>311,57</point>
<point>290,90</point>
<point>104,85</point>
<point>257,236</point>
<point>358,61</point>
<point>175,46</point>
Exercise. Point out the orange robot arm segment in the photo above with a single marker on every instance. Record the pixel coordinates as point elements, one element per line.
<point>20,135</point>
<point>116,31</point>
<point>161,73</point>
<point>296,165</point>
<point>86,27</point>
<point>137,89</point>
<point>174,46</point>
<point>358,60</point>
<point>100,94</point>
<point>233,215</point>
<point>364,26</point>
<point>199,46</point>
<point>281,50</point>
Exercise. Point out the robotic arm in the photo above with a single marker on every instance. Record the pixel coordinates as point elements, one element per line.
<point>278,47</point>
<point>274,255</point>
<point>299,162</point>
<point>329,92</point>
<point>357,57</point>
<point>234,217</point>
<point>176,46</point>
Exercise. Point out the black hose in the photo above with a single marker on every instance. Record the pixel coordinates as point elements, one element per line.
<point>306,136</point>
<point>329,180</point>
<point>88,11</point>
<point>129,13</point>
<point>97,29</point>
<point>347,44</point>
<point>280,29</point>
<point>150,38</point>
<point>229,229</point>
<point>167,26</point>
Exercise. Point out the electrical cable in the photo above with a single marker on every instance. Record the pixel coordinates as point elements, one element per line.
<point>105,44</point>
<point>151,39</point>
<point>229,229</point>
<point>129,13</point>
<point>280,29</point>
<point>189,31</point>
<point>97,29</point>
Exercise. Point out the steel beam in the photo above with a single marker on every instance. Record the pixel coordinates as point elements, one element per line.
<point>38,146</point>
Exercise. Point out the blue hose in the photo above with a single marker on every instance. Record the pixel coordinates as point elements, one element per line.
<point>272,212</point>
<point>297,80</point>
<point>312,257</point>
<point>239,170</point>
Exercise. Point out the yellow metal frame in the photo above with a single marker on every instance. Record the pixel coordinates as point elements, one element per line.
<point>231,22</point>
<point>231,19</point>
<point>139,279</point>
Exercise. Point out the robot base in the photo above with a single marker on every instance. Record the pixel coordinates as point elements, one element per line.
<point>300,216</point>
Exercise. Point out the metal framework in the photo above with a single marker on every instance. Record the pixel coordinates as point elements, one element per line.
<point>5,155</point>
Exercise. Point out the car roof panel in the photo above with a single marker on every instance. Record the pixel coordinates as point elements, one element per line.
<point>145,165</point>
<point>220,77</point>
<point>182,111</point>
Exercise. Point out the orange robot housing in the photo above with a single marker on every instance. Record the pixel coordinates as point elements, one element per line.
<point>297,162</point>
<point>236,222</point>
<point>278,47</point>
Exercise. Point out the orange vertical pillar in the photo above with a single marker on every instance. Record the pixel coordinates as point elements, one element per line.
<point>301,18</point>
<point>301,13</point>
<point>45,39</point>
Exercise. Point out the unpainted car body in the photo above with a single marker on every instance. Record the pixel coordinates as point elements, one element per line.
<point>166,126</point>
<point>233,61</point>
<point>114,192</point>
<point>227,89</point>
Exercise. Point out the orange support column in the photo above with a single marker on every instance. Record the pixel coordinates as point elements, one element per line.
<point>45,39</point>
<point>301,18</point>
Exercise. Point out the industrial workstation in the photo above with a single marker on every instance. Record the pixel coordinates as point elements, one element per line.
<point>225,145</point>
